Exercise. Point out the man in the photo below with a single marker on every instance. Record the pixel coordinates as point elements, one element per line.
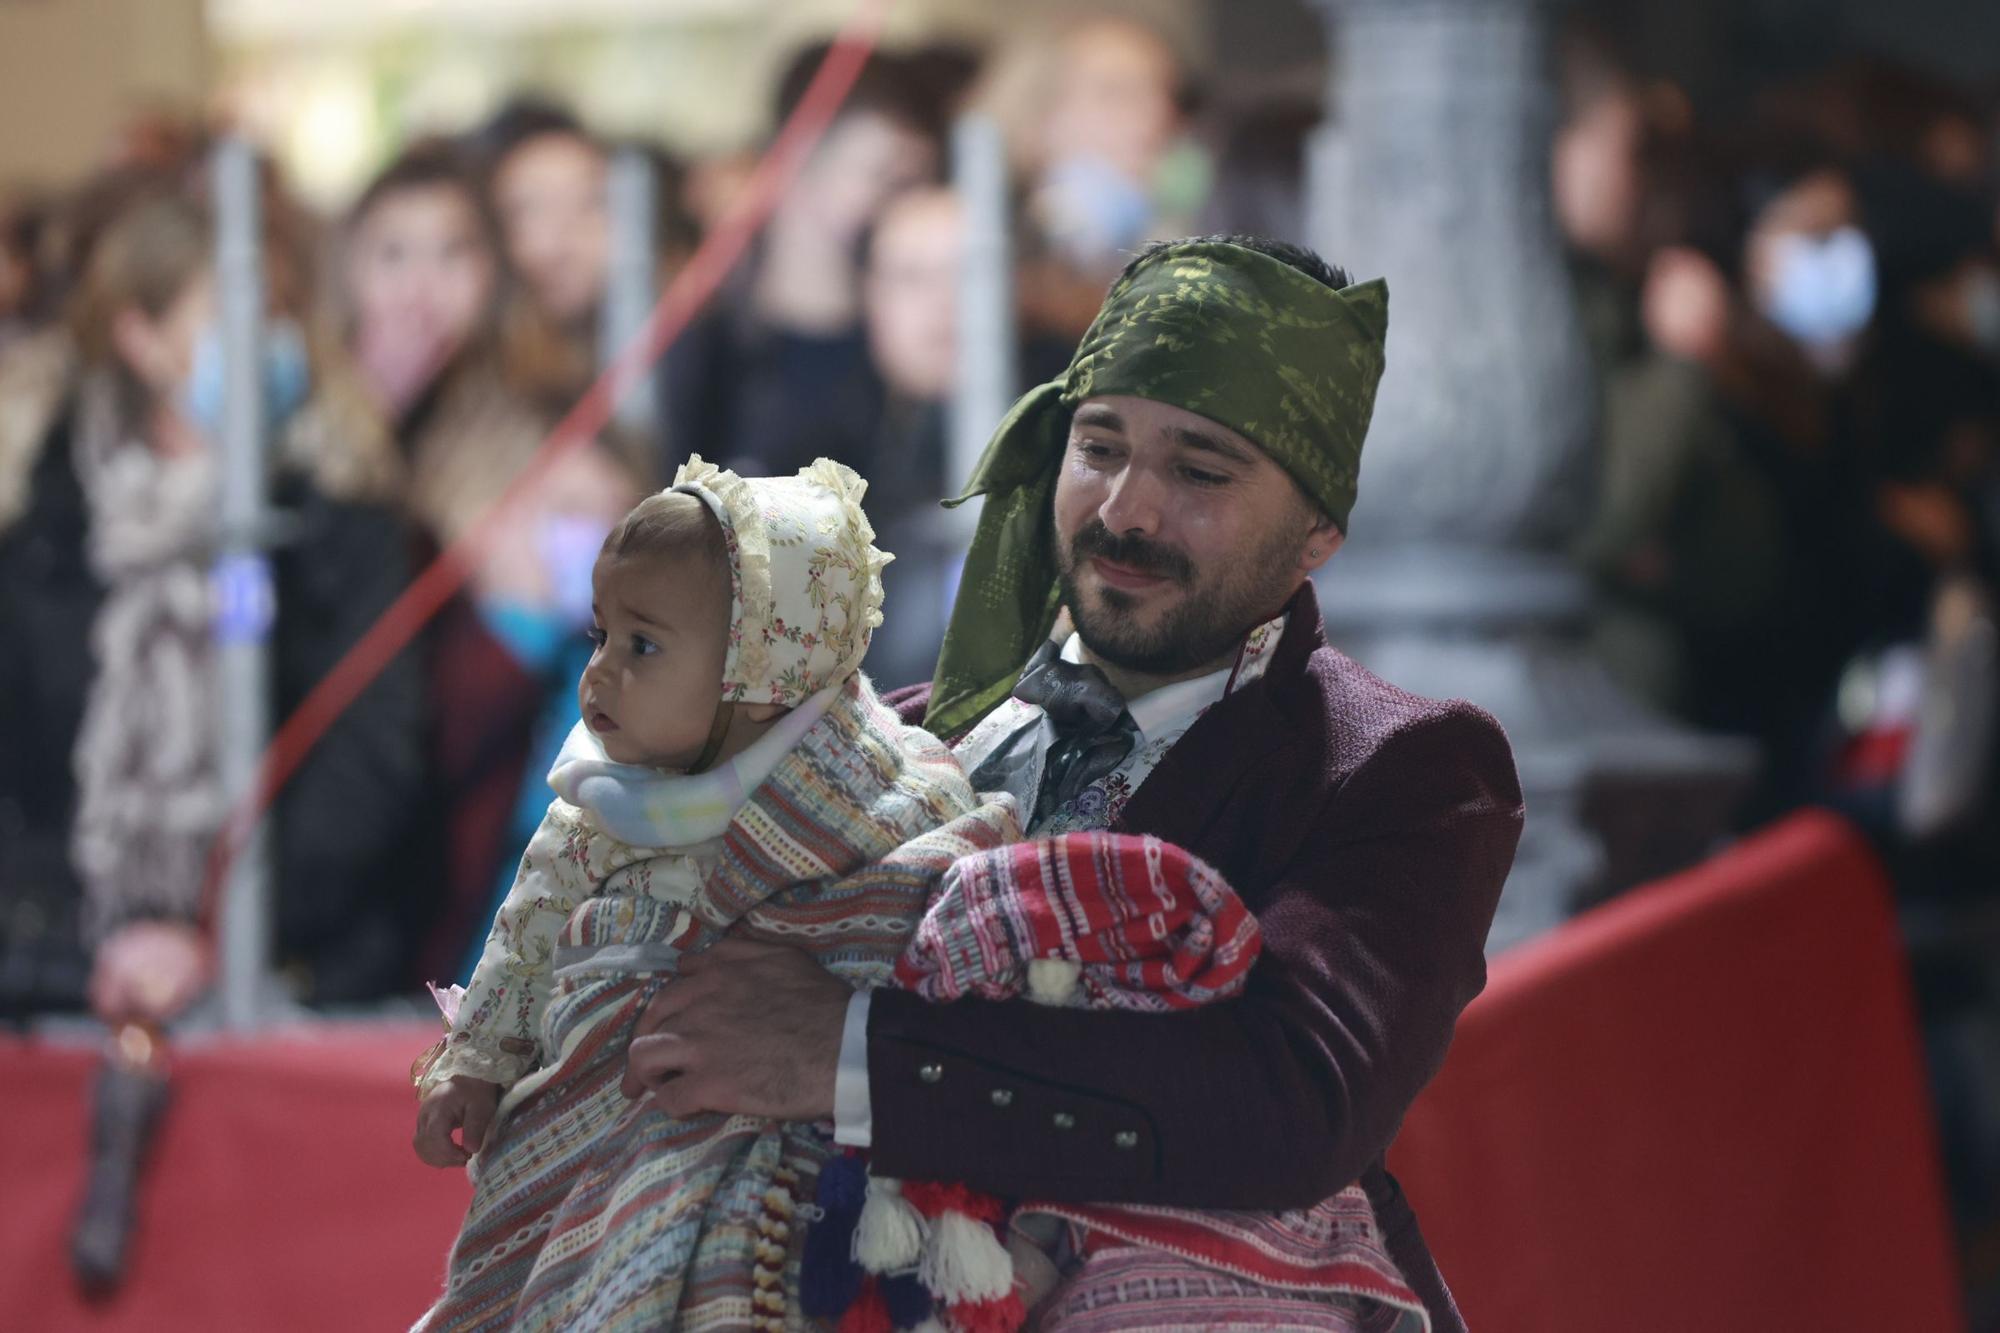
<point>1174,491</point>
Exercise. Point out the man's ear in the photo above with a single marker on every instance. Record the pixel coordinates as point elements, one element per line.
<point>1322,540</point>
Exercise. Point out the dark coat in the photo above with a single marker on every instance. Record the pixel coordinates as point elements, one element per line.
<point>348,880</point>
<point>1370,831</point>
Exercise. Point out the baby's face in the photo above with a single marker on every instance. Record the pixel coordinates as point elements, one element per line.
<point>661,628</point>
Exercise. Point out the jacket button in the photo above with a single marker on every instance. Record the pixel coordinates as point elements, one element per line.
<point>1003,1096</point>
<point>930,1073</point>
<point>1126,1138</point>
<point>1064,1120</point>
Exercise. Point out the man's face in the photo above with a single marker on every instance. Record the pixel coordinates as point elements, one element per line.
<point>1175,535</point>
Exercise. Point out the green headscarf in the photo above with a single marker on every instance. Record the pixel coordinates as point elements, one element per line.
<point>1239,337</point>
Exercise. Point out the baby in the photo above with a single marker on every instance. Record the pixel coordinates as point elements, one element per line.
<point>734,774</point>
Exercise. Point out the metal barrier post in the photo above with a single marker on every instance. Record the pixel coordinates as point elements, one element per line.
<point>244,598</point>
<point>629,275</point>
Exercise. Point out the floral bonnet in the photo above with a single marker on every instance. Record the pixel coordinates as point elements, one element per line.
<point>805,577</point>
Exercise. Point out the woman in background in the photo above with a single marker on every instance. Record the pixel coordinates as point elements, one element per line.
<point>111,789</point>
<point>422,291</point>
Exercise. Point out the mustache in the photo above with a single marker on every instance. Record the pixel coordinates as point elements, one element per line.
<point>1132,551</point>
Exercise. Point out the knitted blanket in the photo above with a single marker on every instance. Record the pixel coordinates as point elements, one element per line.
<point>1115,921</point>
<point>592,1211</point>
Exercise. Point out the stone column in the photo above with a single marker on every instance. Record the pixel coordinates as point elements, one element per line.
<point>1432,171</point>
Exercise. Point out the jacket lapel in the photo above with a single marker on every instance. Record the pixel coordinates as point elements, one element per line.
<point>1193,782</point>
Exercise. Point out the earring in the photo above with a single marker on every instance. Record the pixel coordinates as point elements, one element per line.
<point>1313,554</point>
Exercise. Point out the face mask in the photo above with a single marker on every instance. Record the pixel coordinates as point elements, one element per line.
<point>286,376</point>
<point>568,545</point>
<point>1092,210</point>
<point>1823,291</point>
<point>1982,309</point>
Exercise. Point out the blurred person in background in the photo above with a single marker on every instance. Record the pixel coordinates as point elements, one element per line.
<point>1842,385</point>
<point>1687,540</point>
<point>915,254</point>
<point>110,789</point>
<point>548,188</point>
<point>1909,743</point>
<point>421,289</point>
<point>910,280</point>
<point>23,288</point>
<point>421,274</point>
<point>1923,417</point>
<point>778,373</point>
<point>1100,120</point>
<point>1260,175</point>
<point>1871,109</point>
<point>546,182</point>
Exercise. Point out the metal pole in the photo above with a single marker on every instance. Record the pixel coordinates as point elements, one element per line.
<point>244,600</point>
<point>987,378</point>
<point>629,278</point>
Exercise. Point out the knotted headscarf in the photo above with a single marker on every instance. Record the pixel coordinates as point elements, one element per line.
<point>1235,335</point>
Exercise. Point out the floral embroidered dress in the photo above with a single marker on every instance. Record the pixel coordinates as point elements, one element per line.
<point>592,1211</point>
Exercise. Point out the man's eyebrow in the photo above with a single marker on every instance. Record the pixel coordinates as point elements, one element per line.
<point>1096,414</point>
<point>1190,438</point>
<point>645,619</point>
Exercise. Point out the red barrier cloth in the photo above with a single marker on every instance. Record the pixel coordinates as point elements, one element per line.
<point>1701,1106</point>
<point>282,1192</point>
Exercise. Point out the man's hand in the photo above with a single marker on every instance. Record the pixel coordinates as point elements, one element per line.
<point>746,1029</point>
<point>460,1102</point>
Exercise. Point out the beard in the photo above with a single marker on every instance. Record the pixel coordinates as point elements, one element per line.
<point>1211,618</point>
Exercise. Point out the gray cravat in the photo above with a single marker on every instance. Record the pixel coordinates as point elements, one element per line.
<point>1094,731</point>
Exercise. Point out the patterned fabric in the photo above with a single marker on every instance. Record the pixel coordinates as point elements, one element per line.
<point>1144,1290</point>
<point>1149,927</point>
<point>1004,751</point>
<point>591,1211</point>
<point>1237,336</point>
<point>1145,1267</point>
<point>805,577</point>
<point>148,774</point>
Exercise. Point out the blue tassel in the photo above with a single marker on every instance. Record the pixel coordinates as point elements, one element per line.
<point>909,1300</point>
<point>843,1184</point>
<point>829,1279</point>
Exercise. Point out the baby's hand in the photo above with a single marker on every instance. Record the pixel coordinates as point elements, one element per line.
<point>460,1103</point>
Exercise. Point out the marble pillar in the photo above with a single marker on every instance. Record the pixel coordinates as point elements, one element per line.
<point>1432,170</point>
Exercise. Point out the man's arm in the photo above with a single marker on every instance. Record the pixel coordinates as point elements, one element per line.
<point>1373,944</point>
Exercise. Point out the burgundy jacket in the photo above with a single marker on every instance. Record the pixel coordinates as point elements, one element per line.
<point>1370,831</point>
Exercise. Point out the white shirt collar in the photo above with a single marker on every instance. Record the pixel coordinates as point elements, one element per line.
<point>1161,710</point>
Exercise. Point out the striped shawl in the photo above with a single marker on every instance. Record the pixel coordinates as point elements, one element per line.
<point>591,1211</point>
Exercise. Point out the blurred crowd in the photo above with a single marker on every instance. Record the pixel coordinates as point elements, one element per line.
<point>1794,312</point>
<point>417,349</point>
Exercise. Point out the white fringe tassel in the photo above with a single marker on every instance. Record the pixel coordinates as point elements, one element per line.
<point>964,1261</point>
<point>889,1237</point>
